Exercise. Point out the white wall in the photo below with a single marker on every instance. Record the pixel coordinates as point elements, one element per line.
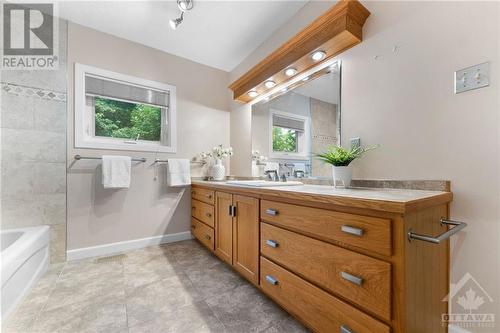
<point>97,216</point>
<point>404,101</point>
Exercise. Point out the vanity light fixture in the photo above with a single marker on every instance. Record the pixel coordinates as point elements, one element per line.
<point>306,78</point>
<point>184,6</point>
<point>174,23</point>
<point>253,93</point>
<point>269,84</point>
<point>290,71</point>
<point>318,55</point>
<point>284,90</point>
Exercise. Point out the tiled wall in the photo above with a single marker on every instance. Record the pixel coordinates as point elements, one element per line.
<point>33,149</point>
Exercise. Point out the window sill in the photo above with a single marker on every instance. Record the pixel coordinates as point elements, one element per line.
<point>121,145</point>
<point>289,156</point>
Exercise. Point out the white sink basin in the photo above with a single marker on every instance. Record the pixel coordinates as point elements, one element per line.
<point>262,183</point>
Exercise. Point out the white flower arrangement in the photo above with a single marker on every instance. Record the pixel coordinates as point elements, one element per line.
<point>218,152</point>
<point>256,156</point>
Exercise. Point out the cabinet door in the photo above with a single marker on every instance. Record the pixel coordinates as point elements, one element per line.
<point>246,237</point>
<point>224,227</point>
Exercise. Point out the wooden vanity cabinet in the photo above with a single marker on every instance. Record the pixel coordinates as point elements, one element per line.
<point>237,233</point>
<point>224,227</point>
<point>246,237</point>
<point>202,217</point>
<point>337,263</point>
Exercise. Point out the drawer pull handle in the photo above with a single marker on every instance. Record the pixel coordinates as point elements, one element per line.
<point>351,278</point>
<point>271,280</point>
<point>345,329</point>
<point>209,196</point>
<point>352,230</point>
<point>271,211</point>
<point>209,215</point>
<point>272,243</point>
<point>193,227</point>
<point>193,192</point>
<point>208,237</point>
<point>193,208</point>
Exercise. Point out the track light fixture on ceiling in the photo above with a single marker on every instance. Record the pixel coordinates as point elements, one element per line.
<point>184,6</point>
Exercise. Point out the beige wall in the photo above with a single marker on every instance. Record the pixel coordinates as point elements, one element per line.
<point>148,208</point>
<point>404,101</point>
<point>323,134</point>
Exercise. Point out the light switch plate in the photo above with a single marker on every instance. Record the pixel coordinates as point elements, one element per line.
<point>473,77</point>
<point>355,142</point>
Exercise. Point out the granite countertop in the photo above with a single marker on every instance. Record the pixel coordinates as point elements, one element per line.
<point>388,199</point>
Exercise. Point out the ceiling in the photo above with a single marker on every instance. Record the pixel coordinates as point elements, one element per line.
<point>219,34</point>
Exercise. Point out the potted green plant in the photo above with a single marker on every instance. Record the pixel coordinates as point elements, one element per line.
<point>340,159</point>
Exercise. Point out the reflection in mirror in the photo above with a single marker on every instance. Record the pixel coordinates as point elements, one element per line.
<point>292,126</point>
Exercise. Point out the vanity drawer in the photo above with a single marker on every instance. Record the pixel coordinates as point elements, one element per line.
<point>203,233</point>
<point>203,212</point>
<point>319,310</point>
<point>370,233</point>
<point>201,194</point>
<point>361,279</point>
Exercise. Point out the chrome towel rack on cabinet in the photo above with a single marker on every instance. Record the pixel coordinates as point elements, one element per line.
<point>444,236</point>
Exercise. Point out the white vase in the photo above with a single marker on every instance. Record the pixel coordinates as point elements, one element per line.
<point>342,173</point>
<point>218,170</point>
<point>255,169</point>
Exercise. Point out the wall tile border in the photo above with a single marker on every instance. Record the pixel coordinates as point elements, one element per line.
<point>20,90</point>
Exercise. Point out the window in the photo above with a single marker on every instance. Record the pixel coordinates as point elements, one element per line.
<point>289,137</point>
<point>285,140</point>
<point>116,111</point>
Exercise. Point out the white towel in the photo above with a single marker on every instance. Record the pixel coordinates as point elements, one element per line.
<point>272,166</point>
<point>178,172</point>
<point>116,171</point>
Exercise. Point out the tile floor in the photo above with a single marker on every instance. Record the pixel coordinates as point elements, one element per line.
<point>179,287</point>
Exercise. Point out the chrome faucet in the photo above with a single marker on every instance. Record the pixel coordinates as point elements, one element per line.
<point>272,175</point>
<point>298,173</point>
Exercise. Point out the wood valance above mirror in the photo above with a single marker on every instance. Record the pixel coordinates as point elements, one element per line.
<point>337,30</point>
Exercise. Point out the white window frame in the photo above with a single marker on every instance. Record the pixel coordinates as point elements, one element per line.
<point>304,153</point>
<point>84,139</point>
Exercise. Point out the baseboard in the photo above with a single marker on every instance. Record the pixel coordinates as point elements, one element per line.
<point>456,329</point>
<point>115,248</point>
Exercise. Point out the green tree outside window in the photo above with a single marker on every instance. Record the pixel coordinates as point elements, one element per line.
<point>125,120</point>
<point>284,140</point>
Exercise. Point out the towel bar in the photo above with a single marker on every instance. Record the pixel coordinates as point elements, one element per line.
<point>78,157</point>
<point>444,236</point>
<point>166,161</point>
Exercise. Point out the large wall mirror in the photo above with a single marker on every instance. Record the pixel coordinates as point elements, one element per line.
<point>293,125</point>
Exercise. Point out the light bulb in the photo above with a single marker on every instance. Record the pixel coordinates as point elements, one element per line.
<point>253,93</point>
<point>284,90</point>
<point>306,78</point>
<point>318,55</point>
<point>175,22</point>
<point>290,71</point>
<point>183,5</point>
<point>269,84</point>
